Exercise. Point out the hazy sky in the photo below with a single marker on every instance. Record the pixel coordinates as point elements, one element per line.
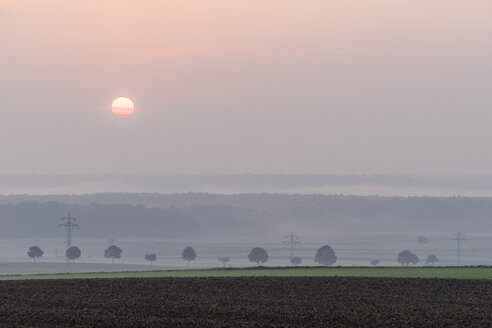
<point>260,86</point>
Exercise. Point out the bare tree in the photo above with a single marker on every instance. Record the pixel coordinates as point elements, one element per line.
<point>431,259</point>
<point>375,262</point>
<point>223,259</point>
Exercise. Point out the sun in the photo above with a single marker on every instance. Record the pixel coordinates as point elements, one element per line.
<point>122,107</point>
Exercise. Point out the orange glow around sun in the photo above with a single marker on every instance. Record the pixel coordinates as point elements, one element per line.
<point>122,107</point>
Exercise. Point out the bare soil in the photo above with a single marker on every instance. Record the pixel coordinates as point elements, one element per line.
<point>246,302</point>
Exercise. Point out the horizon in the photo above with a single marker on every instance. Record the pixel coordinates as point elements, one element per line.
<point>228,184</point>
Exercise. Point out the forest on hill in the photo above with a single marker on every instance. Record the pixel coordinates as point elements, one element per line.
<point>211,215</point>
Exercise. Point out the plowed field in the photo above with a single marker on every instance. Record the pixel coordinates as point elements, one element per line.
<point>246,302</point>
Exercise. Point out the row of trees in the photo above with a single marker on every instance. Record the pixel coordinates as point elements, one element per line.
<point>324,256</point>
<point>406,257</point>
<point>113,252</point>
<point>72,253</point>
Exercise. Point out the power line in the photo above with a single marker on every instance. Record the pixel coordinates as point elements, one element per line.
<point>459,237</point>
<point>292,242</point>
<point>70,223</point>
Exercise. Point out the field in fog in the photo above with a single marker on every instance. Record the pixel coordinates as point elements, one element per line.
<point>358,228</point>
<point>351,250</point>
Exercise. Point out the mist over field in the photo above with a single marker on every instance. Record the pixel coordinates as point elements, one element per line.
<point>209,216</point>
<point>189,206</point>
<point>170,212</point>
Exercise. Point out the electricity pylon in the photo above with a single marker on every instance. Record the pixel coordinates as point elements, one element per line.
<point>292,242</point>
<point>70,223</point>
<point>459,238</point>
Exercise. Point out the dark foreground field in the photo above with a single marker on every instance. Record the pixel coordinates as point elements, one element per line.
<point>246,302</point>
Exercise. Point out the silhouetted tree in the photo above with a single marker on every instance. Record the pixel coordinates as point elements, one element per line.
<point>296,260</point>
<point>431,259</point>
<point>258,255</point>
<point>73,253</point>
<point>113,252</point>
<point>188,254</point>
<point>375,262</point>
<point>151,257</point>
<point>35,252</point>
<point>422,240</point>
<point>325,256</point>
<point>223,259</point>
<point>407,257</point>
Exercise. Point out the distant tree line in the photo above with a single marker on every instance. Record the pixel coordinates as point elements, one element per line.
<point>325,256</point>
<point>198,214</point>
<point>246,182</point>
<point>36,220</point>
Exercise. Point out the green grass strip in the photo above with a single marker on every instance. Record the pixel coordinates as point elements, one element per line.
<point>389,272</point>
